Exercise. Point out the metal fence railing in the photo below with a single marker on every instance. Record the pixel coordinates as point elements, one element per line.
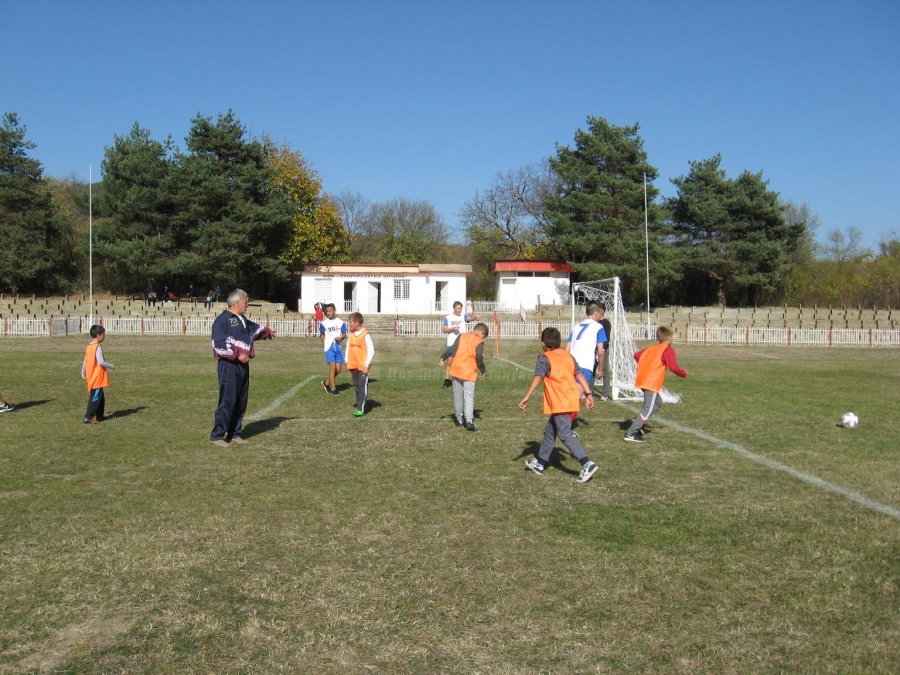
<point>514,329</point>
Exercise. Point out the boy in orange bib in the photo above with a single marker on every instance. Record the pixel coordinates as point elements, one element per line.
<point>360,351</point>
<point>651,374</point>
<point>563,384</point>
<point>467,355</point>
<point>94,371</point>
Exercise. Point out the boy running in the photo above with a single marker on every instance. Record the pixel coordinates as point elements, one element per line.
<point>563,384</point>
<point>586,345</point>
<point>651,374</point>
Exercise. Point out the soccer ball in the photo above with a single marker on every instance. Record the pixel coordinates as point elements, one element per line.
<point>849,421</point>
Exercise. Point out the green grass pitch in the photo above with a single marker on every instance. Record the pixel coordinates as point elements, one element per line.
<point>397,543</point>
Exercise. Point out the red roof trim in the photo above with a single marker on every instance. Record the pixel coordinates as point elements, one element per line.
<point>531,266</point>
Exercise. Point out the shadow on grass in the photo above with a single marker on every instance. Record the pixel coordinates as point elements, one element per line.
<point>533,447</point>
<point>127,412</point>
<point>258,427</point>
<point>30,404</point>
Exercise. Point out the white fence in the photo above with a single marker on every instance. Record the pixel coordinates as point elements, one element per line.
<point>431,328</point>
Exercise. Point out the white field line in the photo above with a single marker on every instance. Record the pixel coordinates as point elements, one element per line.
<point>281,399</point>
<point>809,479</point>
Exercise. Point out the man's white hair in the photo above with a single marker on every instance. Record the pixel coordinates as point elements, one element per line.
<point>236,296</point>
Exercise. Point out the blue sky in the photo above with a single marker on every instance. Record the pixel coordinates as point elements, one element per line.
<point>429,100</point>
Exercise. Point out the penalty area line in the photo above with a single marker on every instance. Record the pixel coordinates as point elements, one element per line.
<point>281,399</point>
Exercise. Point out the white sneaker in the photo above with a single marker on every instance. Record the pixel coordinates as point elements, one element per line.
<point>587,472</point>
<point>6,407</point>
<point>535,465</point>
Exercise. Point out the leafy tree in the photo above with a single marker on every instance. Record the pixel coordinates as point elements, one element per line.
<point>134,239</point>
<point>406,232</point>
<point>595,217</point>
<point>507,221</point>
<point>356,211</point>
<point>230,226</point>
<point>733,235</point>
<point>36,255</point>
<point>71,206</point>
<point>318,234</point>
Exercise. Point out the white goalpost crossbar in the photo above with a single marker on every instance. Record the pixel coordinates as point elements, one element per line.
<point>622,366</point>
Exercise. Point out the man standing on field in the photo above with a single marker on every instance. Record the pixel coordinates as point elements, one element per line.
<point>233,336</point>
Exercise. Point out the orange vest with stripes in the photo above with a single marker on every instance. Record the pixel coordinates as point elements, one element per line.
<point>651,371</point>
<point>95,375</point>
<point>356,350</point>
<point>561,392</point>
<point>464,365</point>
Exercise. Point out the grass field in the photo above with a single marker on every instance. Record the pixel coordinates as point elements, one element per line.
<point>397,543</point>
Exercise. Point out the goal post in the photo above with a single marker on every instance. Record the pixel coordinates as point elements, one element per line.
<point>622,366</point>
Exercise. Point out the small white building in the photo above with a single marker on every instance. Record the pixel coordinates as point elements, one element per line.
<point>530,283</point>
<point>384,289</point>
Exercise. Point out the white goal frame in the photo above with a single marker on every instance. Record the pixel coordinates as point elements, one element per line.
<point>622,366</point>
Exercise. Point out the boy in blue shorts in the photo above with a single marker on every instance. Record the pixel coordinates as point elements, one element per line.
<point>332,331</point>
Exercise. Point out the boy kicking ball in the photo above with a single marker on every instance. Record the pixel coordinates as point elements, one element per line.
<point>563,384</point>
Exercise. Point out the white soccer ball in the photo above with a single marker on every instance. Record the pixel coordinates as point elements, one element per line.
<point>849,421</point>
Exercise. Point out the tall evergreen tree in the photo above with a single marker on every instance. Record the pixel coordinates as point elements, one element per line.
<point>732,234</point>
<point>134,238</point>
<point>36,254</point>
<point>229,226</point>
<point>596,216</point>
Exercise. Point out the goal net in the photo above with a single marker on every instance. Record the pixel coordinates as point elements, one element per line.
<point>622,366</point>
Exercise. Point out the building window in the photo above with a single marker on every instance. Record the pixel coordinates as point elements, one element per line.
<point>525,274</point>
<point>542,274</point>
<point>322,291</point>
<point>401,289</point>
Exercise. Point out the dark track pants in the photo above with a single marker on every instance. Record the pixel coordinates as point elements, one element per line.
<point>234,390</point>
<point>96,405</point>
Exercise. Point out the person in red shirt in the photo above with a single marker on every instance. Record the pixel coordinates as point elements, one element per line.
<point>651,374</point>
<point>563,384</point>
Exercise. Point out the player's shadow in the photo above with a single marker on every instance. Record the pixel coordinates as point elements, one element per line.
<point>22,405</point>
<point>371,404</point>
<point>258,427</point>
<point>533,447</point>
<point>127,412</point>
<point>626,425</point>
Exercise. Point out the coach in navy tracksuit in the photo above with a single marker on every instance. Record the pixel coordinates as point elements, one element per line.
<point>232,343</point>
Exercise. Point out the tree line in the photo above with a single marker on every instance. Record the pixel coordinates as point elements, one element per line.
<point>229,210</point>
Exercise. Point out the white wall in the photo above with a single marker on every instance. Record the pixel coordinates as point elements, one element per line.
<point>528,291</point>
<point>422,292</point>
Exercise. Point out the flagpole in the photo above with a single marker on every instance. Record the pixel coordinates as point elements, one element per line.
<point>647,254</point>
<point>91,241</point>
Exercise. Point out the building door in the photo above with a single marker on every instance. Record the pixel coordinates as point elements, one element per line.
<point>508,293</point>
<point>350,304</point>
<point>442,297</point>
<point>375,297</point>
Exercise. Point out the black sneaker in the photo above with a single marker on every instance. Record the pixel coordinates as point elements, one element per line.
<point>631,438</point>
<point>470,426</point>
<point>448,383</point>
<point>603,398</point>
<point>334,392</point>
<point>7,407</point>
<point>458,421</point>
<point>326,387</point>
